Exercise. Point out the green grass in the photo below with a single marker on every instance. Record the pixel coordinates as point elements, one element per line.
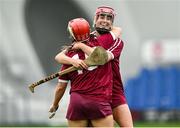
<point>136,124</point>
<point>157,124</point>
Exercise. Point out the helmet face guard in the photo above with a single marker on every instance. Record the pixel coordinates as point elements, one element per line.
<point>103,10</point>
<point>79,29</point>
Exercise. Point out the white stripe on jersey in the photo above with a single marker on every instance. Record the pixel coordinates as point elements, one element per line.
<point>63,81</point>
<point>112,55</point>
<point>113,45</point>
<point>113,35</point>
<point>116,44</point>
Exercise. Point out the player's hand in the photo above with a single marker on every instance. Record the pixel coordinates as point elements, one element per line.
<point>52,111</point>
<point>79,64</point>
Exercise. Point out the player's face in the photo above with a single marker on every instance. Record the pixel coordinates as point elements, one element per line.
<point>104,21</point>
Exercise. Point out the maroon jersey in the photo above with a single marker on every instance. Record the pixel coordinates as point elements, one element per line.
<point>95,83</point>
<point>115,47</point>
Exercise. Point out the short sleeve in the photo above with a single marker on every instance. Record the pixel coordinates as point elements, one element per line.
<point>64,78</point>
<point>116,48</point>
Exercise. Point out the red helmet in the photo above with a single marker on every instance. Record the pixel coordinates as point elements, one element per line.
<point>79,29</point>
<point>105,9</point>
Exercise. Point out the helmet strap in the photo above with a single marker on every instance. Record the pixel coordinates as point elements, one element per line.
<point>102,30</point>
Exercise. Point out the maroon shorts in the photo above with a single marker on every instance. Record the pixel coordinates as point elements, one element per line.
<point>118,97</point>
<point>83,108</point>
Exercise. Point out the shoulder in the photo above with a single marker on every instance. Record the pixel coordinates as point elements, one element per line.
<point>116,32</point>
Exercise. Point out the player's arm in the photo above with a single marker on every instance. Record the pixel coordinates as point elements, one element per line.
<point>59,92</point>
<point>63,59</point>
<point>88,50</point>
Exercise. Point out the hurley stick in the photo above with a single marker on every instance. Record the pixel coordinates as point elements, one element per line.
<point>98,57</point>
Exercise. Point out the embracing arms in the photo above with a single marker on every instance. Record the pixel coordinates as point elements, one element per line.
<point>63,59</point>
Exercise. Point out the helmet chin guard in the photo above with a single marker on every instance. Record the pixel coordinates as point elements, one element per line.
<point>79,29</point>
<point>102,30</point>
